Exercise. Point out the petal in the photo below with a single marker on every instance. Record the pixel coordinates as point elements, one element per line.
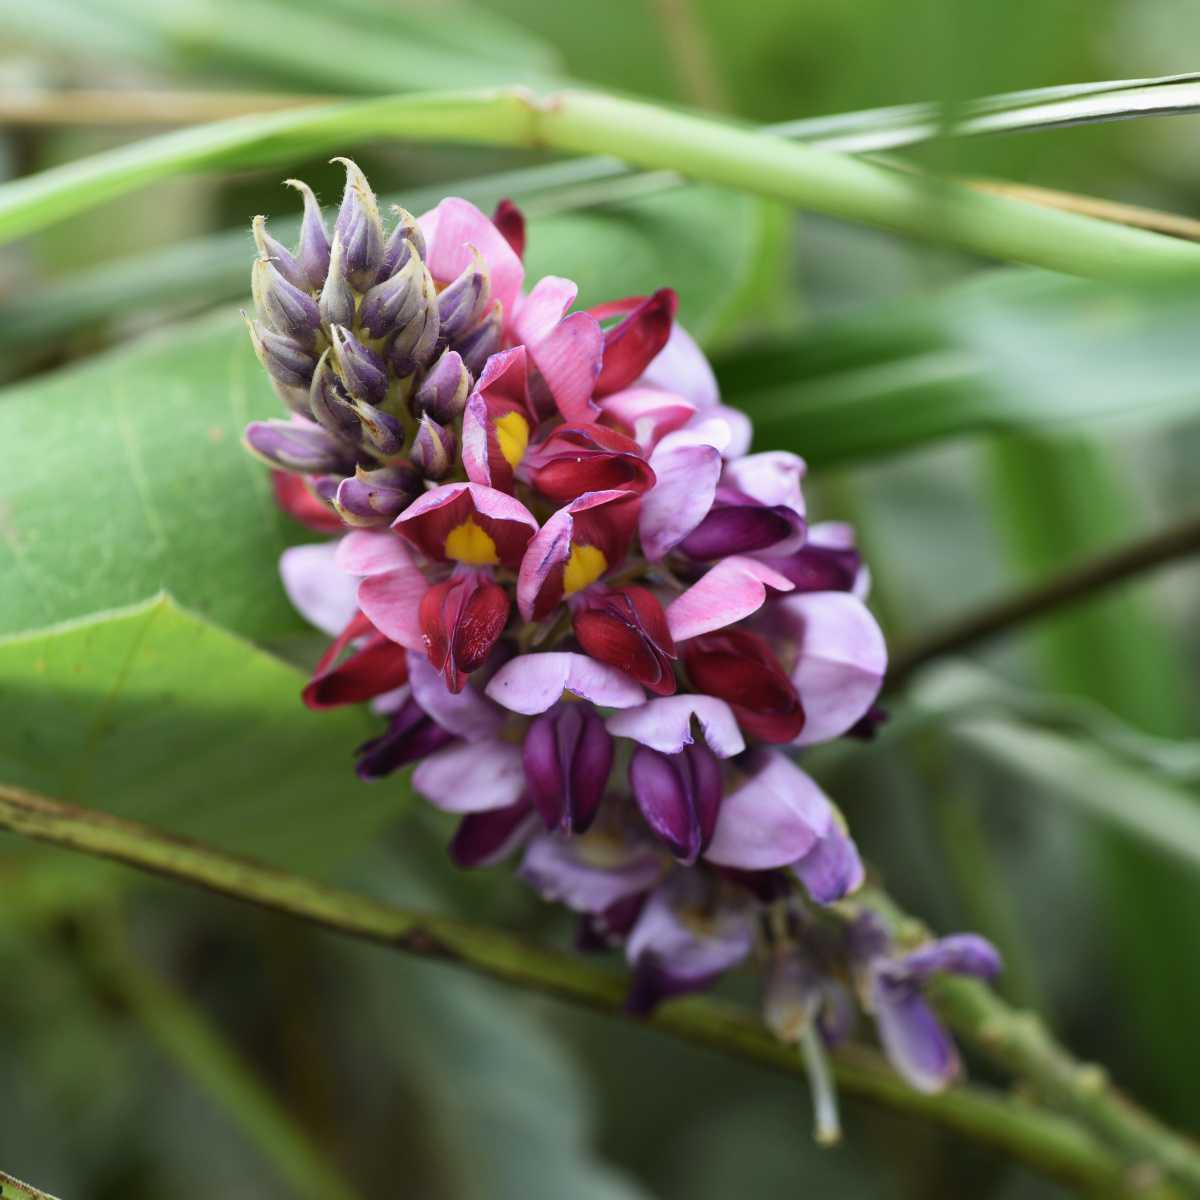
<point>545,556</point>
<point>451,229</point>
<point>958,953</point>
<point>365,553</point>
<point>559,869</point>
<point>531,683</point>
<point>568,359</point>
<point>485,838</point>
<point>832,869</point>
<point>631,345</point>
<point>771,820</point>
<point>472,776</point>
<point>298,502</point>
<point>680,367</point>
<point>665,724</point>
<point>646,414</point>
<point>546,305</point>
<point>392,603</point>
<point>687,478</point>
<point>428,521</point>
<point>913,1038</point>
<point>467,714</point>
<point>321,593</point>
<point>840,663</point>
<point>771,478</point>
<point>510,221</point>
<point>732,590</point>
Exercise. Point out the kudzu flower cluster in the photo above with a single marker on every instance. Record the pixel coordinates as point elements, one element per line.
<point>594,624</point>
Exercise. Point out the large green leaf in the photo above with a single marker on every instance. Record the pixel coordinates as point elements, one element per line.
<point>126,476</point>
<point>153,713</point>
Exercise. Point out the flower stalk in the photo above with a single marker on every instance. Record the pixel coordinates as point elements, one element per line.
<point>1060,1147</point>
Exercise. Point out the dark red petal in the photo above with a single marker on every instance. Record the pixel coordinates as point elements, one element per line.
<point>480,625</point>
<point>380,666</point>
<point>652,616</point>
<point>297,501</point>
<point>483,838</point>
<point>510,221</point>
<point>608,639</point>
<point>630,346</point>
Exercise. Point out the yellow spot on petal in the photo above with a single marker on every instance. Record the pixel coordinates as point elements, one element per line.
<point>512,432</point>
<point>585,566</point>
<point>469,544</point>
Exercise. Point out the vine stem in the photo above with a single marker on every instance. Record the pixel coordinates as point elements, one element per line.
<point>700,148</point>
<point>1056,1145</point>
<point>14,1189</point>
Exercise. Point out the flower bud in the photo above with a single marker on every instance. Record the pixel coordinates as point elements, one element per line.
<point>279,254</point>
<point>373,499</point>
<point>463,303</point>
<point>403,241</point>
<point>433,449</point>
<point>391,305</point>
<point>381,434</point>
<point>312,254</point>
<point>361,370</point>
<point>287,362</point>
<point>567,755</point>
<point>283,307</point>
<point>415,344</point>
<point>360,229</point>
<point>481,343</point>
<point>443,393</point>
<point>337,296</point>
<point>297,445</point>
<point>329,403</point>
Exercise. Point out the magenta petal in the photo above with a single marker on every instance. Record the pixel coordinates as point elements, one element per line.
<point>366,553</point>
<point>732,590</point>
<point>467,714</point>
<point>472,776</point>
<point>548,550</point>
<point>546,305</point>
<point>561,869</point>
<point>771,820</point>
<point>474,449</point>
<point>531,683</point>
<point>680,367</point>
<point>913,1038</point>
<point>771,478</point>
<point>321,593</point>
<point>451,229</point>
<point>392,602</point>
<point>647,414</point>
<point>665,724</point>
<point>568,359</point>
<point>680,499</point>
<point>840,663</point>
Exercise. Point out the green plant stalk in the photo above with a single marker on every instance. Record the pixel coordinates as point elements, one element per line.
<point>644,134</point>
<point>14,1189</point>
<point>198,1048</point>
<point>1055,1145</point>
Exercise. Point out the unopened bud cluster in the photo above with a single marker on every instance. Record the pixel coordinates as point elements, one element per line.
<point>373,360</point>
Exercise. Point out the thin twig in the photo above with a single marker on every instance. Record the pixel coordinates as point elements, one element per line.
<point>14,1189</point>
<point>1053,1144</point>
<point>1078,583</point>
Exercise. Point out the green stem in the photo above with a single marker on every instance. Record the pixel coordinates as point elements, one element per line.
<point>649,136</point>
<point>14,1189</point>
<point>1053,1144</point>
<point>187,1035</point>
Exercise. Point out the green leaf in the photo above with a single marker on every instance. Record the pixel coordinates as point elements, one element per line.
<point>153,713</point>
<point>1011,351</point>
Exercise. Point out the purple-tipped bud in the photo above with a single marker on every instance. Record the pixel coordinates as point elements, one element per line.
<point>373,499</point>
<point>324,487</point>
<point>287,362</point>
<point>337,296</point>
<point>568,755</point>
<point>433,449</point>
<point>313,252</point>
<point>416,343</point>
<point>481,343</point>
<point>443,392</point>
<point>329,403</point>
<point>403,241</point>
<point>279,254</point>
<point>465,301</point>
<point>396,302</point>
<point>297,445</point>
<point>361,370</point>
<point>679,795</point>
<point>381,434</point>
<point>360,229</point>
<point>282,306</point>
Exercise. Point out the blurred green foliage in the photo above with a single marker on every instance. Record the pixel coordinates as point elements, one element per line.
<point>927,390</point>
